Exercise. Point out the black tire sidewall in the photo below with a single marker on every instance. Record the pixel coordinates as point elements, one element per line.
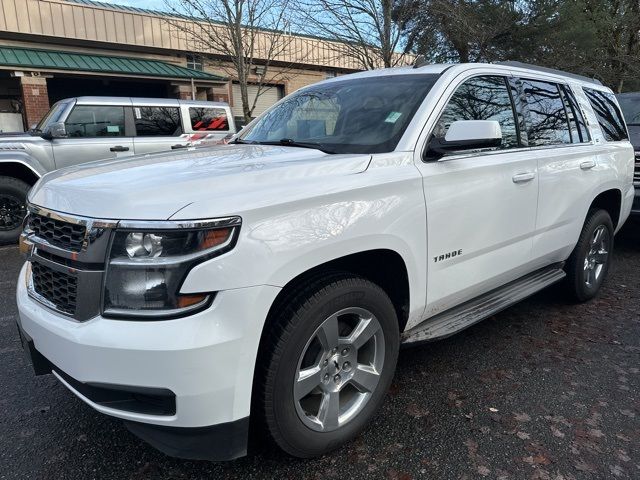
<point>20,189</point>
<point>582,291</point>
<point>292,434</point>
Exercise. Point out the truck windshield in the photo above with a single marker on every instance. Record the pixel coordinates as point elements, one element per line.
<point>364,115</point>
<point>52,116</point>
<point>630,105</point>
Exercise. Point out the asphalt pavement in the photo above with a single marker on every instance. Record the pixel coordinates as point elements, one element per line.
<point>544,390</point>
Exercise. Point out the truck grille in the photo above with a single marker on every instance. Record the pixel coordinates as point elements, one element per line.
<point>67,236</point>
<point>636,171</point>
<point>58,288</point>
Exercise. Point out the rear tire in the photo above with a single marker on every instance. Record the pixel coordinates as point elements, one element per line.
<point>588,265</point>
<point>329,362</point>
<point>13,199</point>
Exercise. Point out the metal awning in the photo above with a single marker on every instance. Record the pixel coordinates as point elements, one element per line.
<point>55,60</point>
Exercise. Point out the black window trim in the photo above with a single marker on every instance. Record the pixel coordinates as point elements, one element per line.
<point>578,112</point>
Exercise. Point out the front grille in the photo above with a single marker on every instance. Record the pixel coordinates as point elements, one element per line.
<point>636,171</point>
<point>58,288</point>
<point>68,236</point>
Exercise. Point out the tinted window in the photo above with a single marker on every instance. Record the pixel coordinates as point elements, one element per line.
<point>579,132</point>
<point>630,105</point>
<point>95,121</point>
<point>609,116</point>
<point>361,115</point>
<point>481,98</point>
<point>157,121</point>
<point>547,122</point>
<point>208,119</point>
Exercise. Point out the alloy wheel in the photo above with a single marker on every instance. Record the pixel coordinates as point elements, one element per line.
<point>597,256</point>
<point>339,369</point>
<point>12,212</point>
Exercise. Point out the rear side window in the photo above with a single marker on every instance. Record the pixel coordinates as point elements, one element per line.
<point>208,119</point>
<point>157,121</point>
<point>547,122</point>
<point>95,121</point>
<point>609,116</point>
<point>481,98</point>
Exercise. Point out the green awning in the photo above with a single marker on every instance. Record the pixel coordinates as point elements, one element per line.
<point>58,60</point>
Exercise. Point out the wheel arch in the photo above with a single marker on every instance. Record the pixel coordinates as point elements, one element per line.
<point>20,170</point>
<point>611,201</point>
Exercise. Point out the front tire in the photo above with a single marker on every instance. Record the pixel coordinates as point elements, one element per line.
<point>13,198</point>
<point>589,262</point>
<point>329,363</point>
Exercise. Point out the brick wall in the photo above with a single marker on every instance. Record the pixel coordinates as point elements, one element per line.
<point>35,98</point>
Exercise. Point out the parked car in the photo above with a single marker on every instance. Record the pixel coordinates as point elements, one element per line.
<point>275,278</point>
<point>84,129</point>
<point>630,105</point>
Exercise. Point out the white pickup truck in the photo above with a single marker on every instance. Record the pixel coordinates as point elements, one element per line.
<point>273,280</point>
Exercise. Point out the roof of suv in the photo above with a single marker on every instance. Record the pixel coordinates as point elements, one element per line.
<point>161,102</point>
<point>507,67</point>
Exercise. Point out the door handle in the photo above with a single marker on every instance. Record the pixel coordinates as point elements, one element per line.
<point>119,148</point>
<point>588,165</point>
<point>523,177</point>
<point>177,146</point>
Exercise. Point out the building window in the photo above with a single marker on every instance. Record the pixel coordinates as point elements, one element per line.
<point>330,74</point>
<point>194,62</point>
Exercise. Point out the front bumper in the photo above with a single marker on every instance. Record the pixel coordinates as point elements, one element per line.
<point>206,361</point>
<point>635,208</point>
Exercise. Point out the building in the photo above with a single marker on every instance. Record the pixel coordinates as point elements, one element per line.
<point>54,49</point>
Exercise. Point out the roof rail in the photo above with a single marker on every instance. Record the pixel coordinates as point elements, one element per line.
<point>511,63</point>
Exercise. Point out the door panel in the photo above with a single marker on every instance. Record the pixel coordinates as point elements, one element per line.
<point>158,128</point>
<point>476,209</point>
<point>94,132</point>
<point>72,151</point>
<point>481,205</point>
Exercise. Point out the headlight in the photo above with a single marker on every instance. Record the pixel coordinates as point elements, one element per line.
<point>149,261</point>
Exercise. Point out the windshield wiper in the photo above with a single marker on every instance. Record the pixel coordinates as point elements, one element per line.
<point>239,141</point>
<point>290,142</point>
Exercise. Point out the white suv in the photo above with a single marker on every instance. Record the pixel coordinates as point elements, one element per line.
<point>275,278</point>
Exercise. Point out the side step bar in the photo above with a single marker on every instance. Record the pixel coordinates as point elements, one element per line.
<point>469,313</point>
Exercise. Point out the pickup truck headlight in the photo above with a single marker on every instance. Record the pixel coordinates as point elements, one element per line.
<point>149,261</point>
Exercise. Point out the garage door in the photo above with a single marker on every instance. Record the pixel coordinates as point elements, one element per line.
<point>268,96</point>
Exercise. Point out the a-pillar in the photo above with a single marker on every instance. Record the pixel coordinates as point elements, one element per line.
<point>35,98</point>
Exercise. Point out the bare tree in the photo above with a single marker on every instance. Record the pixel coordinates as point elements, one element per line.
<point>250,34</point>
<point>368,31</point>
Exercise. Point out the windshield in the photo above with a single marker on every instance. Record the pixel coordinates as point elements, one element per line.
<point>630,105</point>
<point>52,116</point>
<point>364,115</point>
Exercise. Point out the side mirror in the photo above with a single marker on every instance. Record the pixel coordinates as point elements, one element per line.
<point>56,130</point>
<point>466,135</point>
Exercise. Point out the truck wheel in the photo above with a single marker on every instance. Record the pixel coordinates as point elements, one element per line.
<point>13,198</point>
<point>589,262</point>
<point>329,363</point>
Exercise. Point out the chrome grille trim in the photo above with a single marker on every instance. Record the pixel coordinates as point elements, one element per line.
<point>636,171</point>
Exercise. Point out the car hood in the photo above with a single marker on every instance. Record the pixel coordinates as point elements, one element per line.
<point>220,180</point>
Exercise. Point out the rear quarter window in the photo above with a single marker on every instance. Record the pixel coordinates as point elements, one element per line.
<point>609,116</point>
<point>208,119</point>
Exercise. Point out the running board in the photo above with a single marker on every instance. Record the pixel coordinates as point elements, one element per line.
<point>469,313</point>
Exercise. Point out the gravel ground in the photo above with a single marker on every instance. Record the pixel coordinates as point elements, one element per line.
<point>544,390</point>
